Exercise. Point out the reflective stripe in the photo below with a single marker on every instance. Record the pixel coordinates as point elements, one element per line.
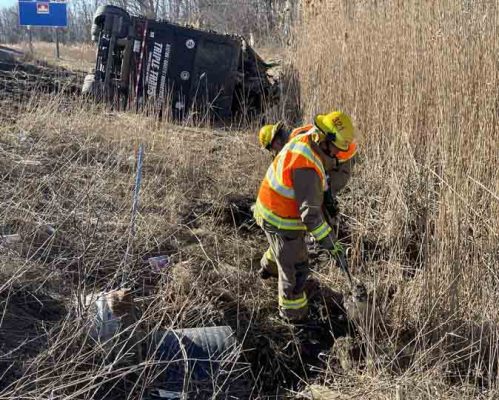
<point>311,131</point>
<point>277,186</point>
<point>258,217</point>
<point>321,231</point>
<point>301,130</point>
<point>297,146</point>
<point>269,255</point>
<point>280,169</point>
<point>306,151</point>
<point>344,156</point>
<point>290,224</point>
<point>277,198</point>
<point>295,304</point>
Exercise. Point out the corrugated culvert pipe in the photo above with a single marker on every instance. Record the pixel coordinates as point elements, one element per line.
<point>198,363</point>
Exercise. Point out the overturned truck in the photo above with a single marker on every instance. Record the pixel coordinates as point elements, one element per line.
<point>175,70</point>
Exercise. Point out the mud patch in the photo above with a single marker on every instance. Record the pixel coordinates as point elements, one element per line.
<point>283,354</point>
<point>26,316</point>
<point>236,212</point>
<point>21,79</point>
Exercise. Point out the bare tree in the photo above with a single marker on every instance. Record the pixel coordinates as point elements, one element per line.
<point>265,20</point>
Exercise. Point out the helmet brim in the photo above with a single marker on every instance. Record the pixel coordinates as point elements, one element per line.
<point>322,123</point>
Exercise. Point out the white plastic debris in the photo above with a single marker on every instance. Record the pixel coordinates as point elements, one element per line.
<point>111,311</point>
<point>7,240</point>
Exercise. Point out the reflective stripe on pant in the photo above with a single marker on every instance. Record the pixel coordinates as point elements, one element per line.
<point>291,256</point>
<point>268,263</point>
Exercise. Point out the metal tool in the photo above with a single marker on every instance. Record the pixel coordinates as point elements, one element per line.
<point>359,291</point>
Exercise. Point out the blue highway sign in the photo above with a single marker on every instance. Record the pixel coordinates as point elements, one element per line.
<point>43,13</point>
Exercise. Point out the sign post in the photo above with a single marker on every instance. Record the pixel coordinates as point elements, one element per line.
<point>30,39</point>
<point>48,13</point>
<point>57,54</point>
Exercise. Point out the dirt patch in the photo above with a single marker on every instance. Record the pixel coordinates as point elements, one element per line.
<point>236,212</point>
<point>21,78</point>
<point>26,316</point>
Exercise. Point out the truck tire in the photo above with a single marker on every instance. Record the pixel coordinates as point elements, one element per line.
<point>104,12</point>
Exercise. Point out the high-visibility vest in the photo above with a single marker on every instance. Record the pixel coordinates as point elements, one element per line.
<point>342,156</point>
<point>300,130</point>
<point>276,202</point>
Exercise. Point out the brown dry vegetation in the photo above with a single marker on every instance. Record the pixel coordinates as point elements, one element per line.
<point>80,57</point>
<point>421,82</point>
<point>421,216</point>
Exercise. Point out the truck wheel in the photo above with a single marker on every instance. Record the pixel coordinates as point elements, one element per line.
<point>104,12</point>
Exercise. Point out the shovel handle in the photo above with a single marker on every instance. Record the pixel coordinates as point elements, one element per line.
<point>340,258</point>
<point>343,264</point>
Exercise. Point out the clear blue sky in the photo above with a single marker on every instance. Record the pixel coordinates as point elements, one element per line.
<point>7,3</point>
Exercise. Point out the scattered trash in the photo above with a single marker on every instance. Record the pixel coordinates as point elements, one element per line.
<point>112,311</point>
<point>187,360</point>
<point>29,163</point>
<point>35,241</point>
<point>165,394</point>
<point>159,263</point>
<point>356,303</point>
<point>22,136</point>
<point>10,240</point>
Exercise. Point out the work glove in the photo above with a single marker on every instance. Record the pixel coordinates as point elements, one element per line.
<point>337,249</point>
<point>331,204</point>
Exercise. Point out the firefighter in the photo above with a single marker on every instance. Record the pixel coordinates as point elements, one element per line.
<point>290,203</point>
<point>271,138</point>
<point>274,138</point>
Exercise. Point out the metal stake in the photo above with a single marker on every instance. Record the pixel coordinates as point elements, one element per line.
<point>135,206</point>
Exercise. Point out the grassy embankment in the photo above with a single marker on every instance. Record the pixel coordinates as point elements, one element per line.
<point>422,213</point>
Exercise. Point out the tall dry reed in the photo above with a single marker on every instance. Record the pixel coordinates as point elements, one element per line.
<point>420,80</point>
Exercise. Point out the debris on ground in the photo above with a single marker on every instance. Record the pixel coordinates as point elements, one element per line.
<point>208,356</point>
<point>159,263</point>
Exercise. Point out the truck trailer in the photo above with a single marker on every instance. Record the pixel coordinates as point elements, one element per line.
<point>176,70</point>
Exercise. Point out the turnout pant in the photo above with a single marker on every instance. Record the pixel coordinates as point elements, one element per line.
<point>288,255</point>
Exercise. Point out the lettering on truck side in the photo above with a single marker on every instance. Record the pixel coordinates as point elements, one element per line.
<point>152,82</point>
<point>164,72</point>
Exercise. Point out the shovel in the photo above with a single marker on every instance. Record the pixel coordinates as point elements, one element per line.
<point>358,289</point>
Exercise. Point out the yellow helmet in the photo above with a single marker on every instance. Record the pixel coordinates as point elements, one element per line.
<point>337,127</point>
<point>267,134</point>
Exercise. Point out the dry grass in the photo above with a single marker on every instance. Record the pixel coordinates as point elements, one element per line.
<point>420,82</point>
<point>71,165</point>
<point>76,57</point>
<point>421,215</point>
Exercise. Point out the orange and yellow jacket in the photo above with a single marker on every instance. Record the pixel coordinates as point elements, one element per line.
<point>291,194</point>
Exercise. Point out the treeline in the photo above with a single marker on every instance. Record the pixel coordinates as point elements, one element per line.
<point>261,20</point>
